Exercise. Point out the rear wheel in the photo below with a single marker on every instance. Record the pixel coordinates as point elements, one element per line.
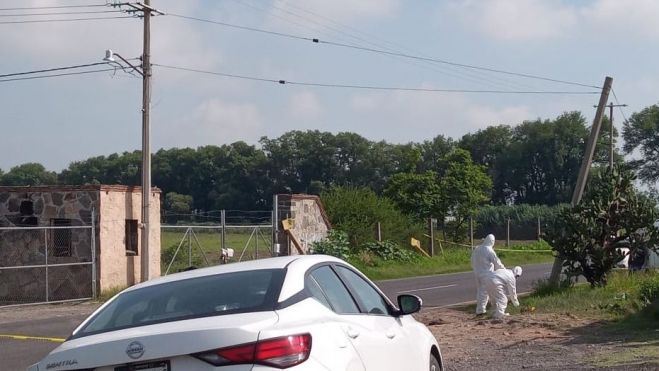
<point>434,364</point>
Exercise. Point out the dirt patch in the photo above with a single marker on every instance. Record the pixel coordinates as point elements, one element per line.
<point>34,312</point>
<point>530,342</point>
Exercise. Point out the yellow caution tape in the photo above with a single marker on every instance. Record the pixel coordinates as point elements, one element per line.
<point>23,337</point>
<point>497,249</point>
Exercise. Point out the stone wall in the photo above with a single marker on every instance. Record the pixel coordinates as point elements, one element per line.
<point>310,222</point>
<point>22,207</point>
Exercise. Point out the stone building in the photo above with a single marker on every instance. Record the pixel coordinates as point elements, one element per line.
<point>301,221</point>
<point>53,225</point>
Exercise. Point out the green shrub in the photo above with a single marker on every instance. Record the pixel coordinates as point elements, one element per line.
<point>388,250</point>
<point>357,211</point>
<point>336,244</point>
<point>649,290</point>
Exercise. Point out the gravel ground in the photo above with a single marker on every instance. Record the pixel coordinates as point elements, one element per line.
<point>531,342</point>
<point>521,342</point>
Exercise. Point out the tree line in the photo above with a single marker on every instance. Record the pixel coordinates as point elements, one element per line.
<point>535,162</point>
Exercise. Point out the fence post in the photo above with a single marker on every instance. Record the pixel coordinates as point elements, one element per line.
<point>378,231</point>
<point>508,232</point>
<point>471,231</point>
<point>189,247</point>
<point>256,244</point>
<point>431,232</point>
<point>45,240</point>
<point>224,227</point>
<point>539,230</point>
<point>275,225</point>
<point>93,240</point>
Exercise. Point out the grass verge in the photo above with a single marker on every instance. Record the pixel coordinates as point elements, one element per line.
<point>626,311</point>
<point>450,260</point>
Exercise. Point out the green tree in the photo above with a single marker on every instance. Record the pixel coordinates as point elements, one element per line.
<point>464,187</point>
<point>487,147</point>
<point>177,207</point>
<point>641,133</point>
<point>588,236</point>
<point>29,174</point>
<point>418,195</point>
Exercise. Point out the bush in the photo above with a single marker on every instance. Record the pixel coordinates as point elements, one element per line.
<point>649,290</point>
<point>336,244</point>
<point>357,211</point>
<point>388,250</point>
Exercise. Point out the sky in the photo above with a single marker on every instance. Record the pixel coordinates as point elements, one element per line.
<point>56,121</point>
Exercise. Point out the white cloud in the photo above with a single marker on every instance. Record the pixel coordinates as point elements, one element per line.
<point>341,10</point>
<point>514,20</point>
<point>215,121</point>
<point>305,105</point>
<point>47,44</point>
<point>630,18</point>
<point>538,20</point>
<point>406,116</point>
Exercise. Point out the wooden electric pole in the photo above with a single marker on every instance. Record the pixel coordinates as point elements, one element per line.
<point>585,164</point>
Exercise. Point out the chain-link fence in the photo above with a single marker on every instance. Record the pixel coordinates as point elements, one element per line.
<point>46,264</point>
<point>185,246</point>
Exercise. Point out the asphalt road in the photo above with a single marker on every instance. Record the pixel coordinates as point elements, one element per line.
<point>450,289</point>
<point>438,290</point>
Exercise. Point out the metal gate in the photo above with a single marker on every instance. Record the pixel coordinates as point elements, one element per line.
<point>47,264</point>
<point>184,246</point>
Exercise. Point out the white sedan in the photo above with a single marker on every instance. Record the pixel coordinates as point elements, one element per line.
<point>299,312</point>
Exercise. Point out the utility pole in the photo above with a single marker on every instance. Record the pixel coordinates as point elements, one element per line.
<point>585,164</point>
<point>146,139</point>
<point>611,105</point>
<point>146,12</point>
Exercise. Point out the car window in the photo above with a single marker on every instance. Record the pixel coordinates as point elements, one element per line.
<point>316,292</point>
<point>227,293</point>
<point>366,294</point>
<point>336,293</point>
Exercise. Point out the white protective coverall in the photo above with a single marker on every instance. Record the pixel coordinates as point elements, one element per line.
<point>484,261</point>
<point>501,285</point>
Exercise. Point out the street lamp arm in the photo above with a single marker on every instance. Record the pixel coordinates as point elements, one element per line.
<point>109,57</point>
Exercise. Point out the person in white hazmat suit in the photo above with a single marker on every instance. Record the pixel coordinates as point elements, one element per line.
<point>484,261</point>
<point>501,285</point>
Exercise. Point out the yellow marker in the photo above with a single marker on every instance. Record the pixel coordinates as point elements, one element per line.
<point>23,337</point>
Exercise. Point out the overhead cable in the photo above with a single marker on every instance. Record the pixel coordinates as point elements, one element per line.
<point>60,13</point>
<point>57,75</point>
<point>64,20</point>
<point>56,69</point>
<point>371,87</point>
<point>384,52</point>
<point>55,7</point>
<point>619,105</point>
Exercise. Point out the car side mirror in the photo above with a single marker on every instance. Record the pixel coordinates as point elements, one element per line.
<point>409,304</point>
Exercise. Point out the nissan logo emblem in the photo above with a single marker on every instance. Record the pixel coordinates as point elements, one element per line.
<point>135,350</point>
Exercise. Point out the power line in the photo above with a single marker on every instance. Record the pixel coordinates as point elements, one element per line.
<point>58,75</point>
<point>619,105</point>
<point>243,27</point>
<point>65,20</point>
<point>60,13</point>
<point>384,52</point>
<point>371,87</point>
<point>56,69</point>
<point>445,70</point>
<point>56,7</point>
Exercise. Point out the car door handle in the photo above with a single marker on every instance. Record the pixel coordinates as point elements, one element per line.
<point>352,333</point>
<point>390,334</point>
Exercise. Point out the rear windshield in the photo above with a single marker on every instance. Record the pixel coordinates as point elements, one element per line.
<point>221,294</point>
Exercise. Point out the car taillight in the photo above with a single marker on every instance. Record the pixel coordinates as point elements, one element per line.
<point>282,352</point>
